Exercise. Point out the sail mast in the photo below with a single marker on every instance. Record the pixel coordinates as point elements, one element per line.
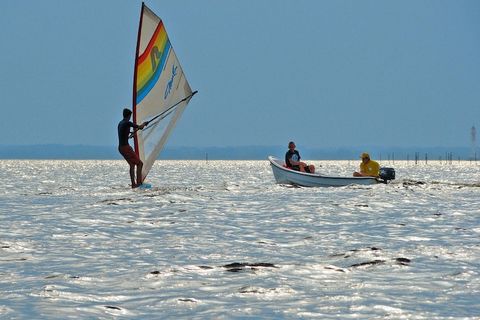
<point>134,95</point>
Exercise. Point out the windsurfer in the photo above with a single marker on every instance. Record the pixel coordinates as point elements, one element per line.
<point>126,150</point>
<point>368,167</point>
<point>292,160</point>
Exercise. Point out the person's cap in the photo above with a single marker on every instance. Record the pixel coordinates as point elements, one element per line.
<point>290,143</point>
<point>365,155</point>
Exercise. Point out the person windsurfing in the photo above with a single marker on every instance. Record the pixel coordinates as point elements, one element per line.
<point>126,150</point>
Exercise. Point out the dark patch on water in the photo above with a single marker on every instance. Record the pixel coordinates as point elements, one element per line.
<point>337,255</point>
<point>187,300</point>
<point>403,261</point>
<point>367,263</point>
<point>407,182</point>
<point>348,254</point>
<point>10,260</point>
<point>243,266</point>
<point>205,267</point>
<point>248,289</point>
<point>114,202</point>
<point>334,268</point>
<point>255,290</point>
<point>361,205</point>
<point>156,272</point>
<point>458,185</point>
<point>113,307</point>
<point>370,248</point>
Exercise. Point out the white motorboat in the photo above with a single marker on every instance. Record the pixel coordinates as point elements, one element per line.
<point>284,175</point>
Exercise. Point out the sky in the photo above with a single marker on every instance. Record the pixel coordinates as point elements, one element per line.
<point>324,73</point>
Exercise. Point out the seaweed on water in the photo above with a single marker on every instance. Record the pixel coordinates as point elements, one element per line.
<point>367,263</point>
<point>403,261</point>
<point>205,267</point>
<point>370,248</point>
<point>242,266</point>
<point>400,261</point>
<point>113,307</point>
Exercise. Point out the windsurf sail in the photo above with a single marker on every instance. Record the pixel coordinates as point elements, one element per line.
<point>160,90</point>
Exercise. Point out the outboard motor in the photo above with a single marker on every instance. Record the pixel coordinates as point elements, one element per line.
<point>387,174</point>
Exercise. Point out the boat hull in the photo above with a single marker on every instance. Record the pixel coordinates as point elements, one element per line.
<point>284,175</point>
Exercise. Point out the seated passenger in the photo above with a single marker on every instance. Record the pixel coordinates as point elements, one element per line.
<point>292,160</point>
<point>368,168</point>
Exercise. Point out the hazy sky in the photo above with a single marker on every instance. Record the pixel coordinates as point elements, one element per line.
<point>322,73</point>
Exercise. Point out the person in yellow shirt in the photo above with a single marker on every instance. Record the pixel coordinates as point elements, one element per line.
<point>368,167</point>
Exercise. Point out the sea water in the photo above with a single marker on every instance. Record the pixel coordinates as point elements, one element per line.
<point>221,240</point>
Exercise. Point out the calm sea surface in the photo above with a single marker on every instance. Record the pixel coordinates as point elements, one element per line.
<point>220,240</point>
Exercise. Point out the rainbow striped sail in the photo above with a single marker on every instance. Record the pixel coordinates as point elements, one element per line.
<point>152,61</point>
<point>160,90</point>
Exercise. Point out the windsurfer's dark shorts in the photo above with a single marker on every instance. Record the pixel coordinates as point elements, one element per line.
<point>129,155</point>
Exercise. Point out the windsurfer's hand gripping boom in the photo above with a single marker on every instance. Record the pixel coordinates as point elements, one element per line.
<point>140,127</point>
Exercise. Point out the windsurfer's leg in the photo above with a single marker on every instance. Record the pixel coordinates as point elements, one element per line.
<point>132,175</point>
<point>139,173</point>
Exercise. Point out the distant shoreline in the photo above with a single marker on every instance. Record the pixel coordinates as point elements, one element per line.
<point>86,152</point>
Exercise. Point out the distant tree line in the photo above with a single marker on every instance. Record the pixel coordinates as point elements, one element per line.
<point>389,154</point>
